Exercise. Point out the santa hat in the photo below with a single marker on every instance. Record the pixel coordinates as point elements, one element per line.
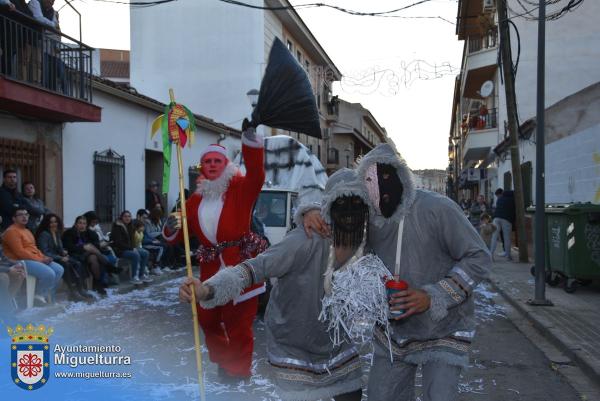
<point>214,148</point>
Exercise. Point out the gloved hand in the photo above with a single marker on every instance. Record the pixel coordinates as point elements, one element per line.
<point>248,131</point>
<point>173,222</point>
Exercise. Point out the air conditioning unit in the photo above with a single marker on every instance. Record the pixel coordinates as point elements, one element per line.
<point>488,5</point>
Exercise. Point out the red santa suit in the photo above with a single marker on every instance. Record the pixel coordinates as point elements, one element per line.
<point>219,216</point>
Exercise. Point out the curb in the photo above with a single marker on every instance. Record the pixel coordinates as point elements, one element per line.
<point>588,369</point>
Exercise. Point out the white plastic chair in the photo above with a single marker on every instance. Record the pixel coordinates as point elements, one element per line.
<point>30,282</point>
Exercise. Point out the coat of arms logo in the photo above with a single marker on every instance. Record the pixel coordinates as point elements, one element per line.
<point>30,355</point>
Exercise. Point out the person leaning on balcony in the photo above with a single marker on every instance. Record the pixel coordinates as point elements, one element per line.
<point>18,243</point>
<point>54,69</point>
<point>8,39</point>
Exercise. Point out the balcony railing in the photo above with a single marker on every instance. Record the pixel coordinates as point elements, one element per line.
<point>37,55</point>
<point>483,120</point>
<point>483,42</point>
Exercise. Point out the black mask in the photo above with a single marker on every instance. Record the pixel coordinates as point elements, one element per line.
<point>390,189</point>
<point>348,215</point>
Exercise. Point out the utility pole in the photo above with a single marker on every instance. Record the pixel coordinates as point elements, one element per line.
<point>540,167</point>
<point>513,129</point>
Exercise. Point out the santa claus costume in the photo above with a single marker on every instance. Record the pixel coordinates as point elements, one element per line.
<point>218,215</point>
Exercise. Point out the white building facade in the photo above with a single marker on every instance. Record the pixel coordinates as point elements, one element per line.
<point>478,148</point>
<point>108,165</point>
<point>218,52</point>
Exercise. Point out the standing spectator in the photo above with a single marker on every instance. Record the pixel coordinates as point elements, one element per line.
<point>10,198</point>
<point>504,218</point>
<point>19,244</point>
<point>50,243</point>
<point>36,206</point>
<point>486,229</point>
<point>54,69</point>
<point>152,196</point>
<point>121,235</point>
<point>83,245</point>
<point>476,210</point>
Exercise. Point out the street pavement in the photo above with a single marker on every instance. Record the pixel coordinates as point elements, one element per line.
<point>155,329</point>
<point>572,324</point>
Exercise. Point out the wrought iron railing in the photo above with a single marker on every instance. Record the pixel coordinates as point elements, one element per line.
<point>485,119</point>
<point>477,43</point>
<point>44,57</point>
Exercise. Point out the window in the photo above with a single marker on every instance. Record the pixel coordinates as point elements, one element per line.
<point>299,56</point>
<point>319,151</point>
<point>307,65</point>
<point>271,208</point>
<point>289,45</point>
<point>109,185</point>
<point>333,156</point>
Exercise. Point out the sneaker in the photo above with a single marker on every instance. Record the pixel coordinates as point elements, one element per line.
<point>147,279</point>
<point>40,299</point>
<point>156,271</point>
<point>135,281</point>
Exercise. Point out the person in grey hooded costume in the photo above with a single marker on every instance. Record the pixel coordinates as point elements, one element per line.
<point>443,259</point>
<point>305,363</point>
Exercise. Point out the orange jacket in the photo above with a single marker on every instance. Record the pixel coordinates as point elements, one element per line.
<point>19,243</point>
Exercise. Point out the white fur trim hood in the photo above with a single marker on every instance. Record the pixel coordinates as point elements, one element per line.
<point>386,154</point>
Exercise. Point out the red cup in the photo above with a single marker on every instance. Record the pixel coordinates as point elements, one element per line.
<point>392,286</point>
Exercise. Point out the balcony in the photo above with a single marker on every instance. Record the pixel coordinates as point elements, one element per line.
<point>44,74</point>
<point>479,43</point>
<point>482,136</point>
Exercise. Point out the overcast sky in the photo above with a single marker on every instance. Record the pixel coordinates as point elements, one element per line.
<point>401,69</point>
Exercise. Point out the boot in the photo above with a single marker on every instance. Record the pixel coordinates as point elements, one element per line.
<point>82,292</point>
<point>74,294</point>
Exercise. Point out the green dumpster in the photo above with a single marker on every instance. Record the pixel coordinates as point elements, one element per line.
<point>572,242</point>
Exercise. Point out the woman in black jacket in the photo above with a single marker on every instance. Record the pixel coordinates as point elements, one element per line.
<point>121,236</point>
<point>48,237</point>
<point>84,245</point>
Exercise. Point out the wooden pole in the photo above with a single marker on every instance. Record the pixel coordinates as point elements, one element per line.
<point>513,130</point>
<point>188,261</point>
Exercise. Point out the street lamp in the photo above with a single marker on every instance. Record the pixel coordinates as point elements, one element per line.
<point>252,97</point>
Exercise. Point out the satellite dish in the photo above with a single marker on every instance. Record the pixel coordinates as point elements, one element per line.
<point>486,89</point>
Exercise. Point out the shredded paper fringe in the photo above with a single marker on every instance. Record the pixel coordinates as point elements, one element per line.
<point>357,302</point>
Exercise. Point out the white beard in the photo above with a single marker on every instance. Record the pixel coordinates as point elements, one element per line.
<point>214,189</point>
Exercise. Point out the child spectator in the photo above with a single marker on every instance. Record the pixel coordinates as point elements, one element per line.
<point>122,239</point>
<point>486,229</point>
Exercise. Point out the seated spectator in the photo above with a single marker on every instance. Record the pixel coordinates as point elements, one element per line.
<point>36,206</point>
<point>105,248</point>
<point>19,244</point>
<point>10,198</point>
<point>154,242</point>
<point>50,243</point>
<point>122,241</point>
<point>138,239</point>
<point>83,245</point>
